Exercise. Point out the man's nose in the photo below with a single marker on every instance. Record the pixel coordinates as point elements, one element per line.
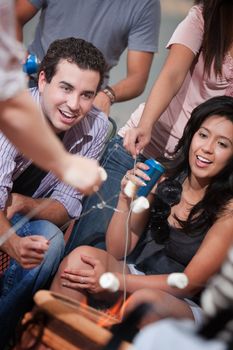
<point>73,102</point>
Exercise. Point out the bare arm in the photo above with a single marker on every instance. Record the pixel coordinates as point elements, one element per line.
<point>118,229</point>
<point>206,262</point>
<point>22,123</point>
<point>51,209</point>
<point>24,11</point>
<point>171,78</point>
<point>138,68</point>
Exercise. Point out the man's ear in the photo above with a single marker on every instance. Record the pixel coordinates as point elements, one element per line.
<point>41,81</point>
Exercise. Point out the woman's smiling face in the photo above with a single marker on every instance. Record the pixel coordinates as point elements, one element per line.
<point>211,147</point>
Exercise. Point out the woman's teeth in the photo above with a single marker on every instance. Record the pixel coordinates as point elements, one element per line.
<point>204,160</point>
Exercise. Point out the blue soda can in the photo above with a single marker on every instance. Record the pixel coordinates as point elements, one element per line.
<point>155,171</point>
<point>31,65</point>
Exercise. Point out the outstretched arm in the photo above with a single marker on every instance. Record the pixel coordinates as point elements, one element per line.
<point>171,78</point>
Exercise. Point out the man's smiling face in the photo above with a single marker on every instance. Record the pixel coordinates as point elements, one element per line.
<point>69,95</point>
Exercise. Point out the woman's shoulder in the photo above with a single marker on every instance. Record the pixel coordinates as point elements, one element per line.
<point>195,16</point>
<point>189,31</point>
<point>196,10</point>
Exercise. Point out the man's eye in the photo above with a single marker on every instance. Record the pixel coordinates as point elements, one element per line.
<point>88,95</point>
<point>66,88</point>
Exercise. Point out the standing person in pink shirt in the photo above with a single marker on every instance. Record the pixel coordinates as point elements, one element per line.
<point>199,66</point>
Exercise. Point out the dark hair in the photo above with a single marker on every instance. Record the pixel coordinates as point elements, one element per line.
<point>74,50</point>
<point>220,190</point>
<point>218,32</point>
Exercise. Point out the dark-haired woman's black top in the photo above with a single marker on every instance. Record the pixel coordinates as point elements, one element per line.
<point>178,248</point>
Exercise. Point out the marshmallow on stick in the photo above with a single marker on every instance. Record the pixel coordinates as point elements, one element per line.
<point>177,280</point>
<point>109,281</point>
<point>140,204</point>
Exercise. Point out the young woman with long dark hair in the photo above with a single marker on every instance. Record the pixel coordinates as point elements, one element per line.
<point>188,227</point>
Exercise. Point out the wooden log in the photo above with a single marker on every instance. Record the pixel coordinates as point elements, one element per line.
<point>69,325</point>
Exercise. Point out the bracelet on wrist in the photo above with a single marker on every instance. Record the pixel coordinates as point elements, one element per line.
<point>110,93</point>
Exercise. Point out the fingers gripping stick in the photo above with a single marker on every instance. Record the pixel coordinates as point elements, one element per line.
<point>71,178</point>
<point>130,189</point>
<point>141,203</point>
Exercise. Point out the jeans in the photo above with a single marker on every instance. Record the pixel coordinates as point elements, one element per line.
<point>18,285</point>
<point>90,229</point>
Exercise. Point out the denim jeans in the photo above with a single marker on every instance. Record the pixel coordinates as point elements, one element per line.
<point>18,285</point>
<point>90,229</point>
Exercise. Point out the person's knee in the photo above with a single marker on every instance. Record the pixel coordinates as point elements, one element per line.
<point>47,229</point>
<point>74,259</point>
<point>144,296</point>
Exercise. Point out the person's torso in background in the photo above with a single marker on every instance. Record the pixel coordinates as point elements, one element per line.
<point>110,25</point>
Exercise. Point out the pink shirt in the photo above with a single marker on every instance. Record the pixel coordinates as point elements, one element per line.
<point>195,89</point>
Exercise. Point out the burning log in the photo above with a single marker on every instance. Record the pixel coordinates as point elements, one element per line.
<point>61,323</point>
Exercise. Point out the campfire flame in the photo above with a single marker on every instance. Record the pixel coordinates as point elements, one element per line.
<point>105,318</point>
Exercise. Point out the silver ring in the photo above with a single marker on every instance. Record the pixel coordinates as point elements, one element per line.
<point>126,176</point>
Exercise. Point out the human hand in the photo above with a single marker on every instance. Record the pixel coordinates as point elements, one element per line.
<point>86,279</point>
<point>16,204</point>
<point>102,102</point>
<point>84,174</point>
<point>136,177</point>
<point>27,251</point>
<point>136,139</point>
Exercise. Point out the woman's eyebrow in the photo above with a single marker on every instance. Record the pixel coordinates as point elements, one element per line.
<point>220,136</point>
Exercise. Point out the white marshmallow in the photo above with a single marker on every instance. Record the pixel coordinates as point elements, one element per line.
<point>130,189</point>
<point>177,280</point>
<point>109,281</point>
<point>103,174</point>
<point>139,205</point>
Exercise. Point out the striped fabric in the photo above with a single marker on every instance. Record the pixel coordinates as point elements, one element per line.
<point>217,302</point>
<point>86,139</point>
